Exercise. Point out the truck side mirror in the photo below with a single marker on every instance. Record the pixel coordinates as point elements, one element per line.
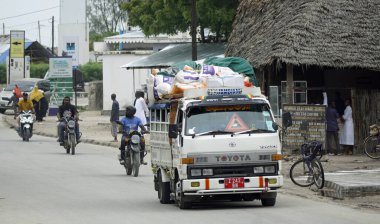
<point>173,131</point>
<point>286,120</point>
<point>275,126</point>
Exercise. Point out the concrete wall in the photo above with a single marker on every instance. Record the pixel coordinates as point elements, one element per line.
<point>120,80</point>
<point>95,95</point>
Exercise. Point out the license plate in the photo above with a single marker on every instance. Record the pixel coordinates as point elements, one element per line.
<point>235,182</point>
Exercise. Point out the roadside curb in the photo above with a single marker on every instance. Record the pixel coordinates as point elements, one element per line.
<point>336,190</point>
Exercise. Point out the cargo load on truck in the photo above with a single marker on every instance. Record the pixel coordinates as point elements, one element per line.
<point>211,73</point>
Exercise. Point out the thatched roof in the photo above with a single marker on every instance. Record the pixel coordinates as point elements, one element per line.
<point>332,33</point>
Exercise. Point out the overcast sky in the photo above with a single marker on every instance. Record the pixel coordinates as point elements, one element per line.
<point>29,23</point>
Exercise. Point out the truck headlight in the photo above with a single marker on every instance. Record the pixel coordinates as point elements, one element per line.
<point>196,172</point>
<point>269,169</point>
<point>207,172</point>
<point>258,169</point>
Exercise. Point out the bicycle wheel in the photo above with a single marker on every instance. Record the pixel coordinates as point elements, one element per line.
<point>371,147</point>
<point>300,174</point>
<point>318,174</point>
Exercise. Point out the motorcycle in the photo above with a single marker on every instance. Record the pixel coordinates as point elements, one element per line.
<point>69,141</point>
<point>26,125</point>
<point>132,154</point>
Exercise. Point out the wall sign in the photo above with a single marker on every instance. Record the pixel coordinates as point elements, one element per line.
<point>308,121</point>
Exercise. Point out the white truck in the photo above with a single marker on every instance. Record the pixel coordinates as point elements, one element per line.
<point>218,143</point>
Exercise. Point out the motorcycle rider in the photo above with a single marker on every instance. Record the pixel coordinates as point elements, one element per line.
<point>67,109</point>
<point>131,123</point>
<point>24,104</point>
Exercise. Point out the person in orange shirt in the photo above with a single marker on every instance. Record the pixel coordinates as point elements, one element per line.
<point>24,104</point>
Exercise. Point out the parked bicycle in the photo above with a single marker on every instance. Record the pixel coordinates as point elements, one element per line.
<point>372,142</point>
<point>308,170</point>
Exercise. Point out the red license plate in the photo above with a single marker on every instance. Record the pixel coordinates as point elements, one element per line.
<point>234,182</point>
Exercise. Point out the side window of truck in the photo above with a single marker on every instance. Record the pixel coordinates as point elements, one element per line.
<point>179,119</point>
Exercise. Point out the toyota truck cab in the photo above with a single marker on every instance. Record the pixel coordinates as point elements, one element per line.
<point>215,144</point>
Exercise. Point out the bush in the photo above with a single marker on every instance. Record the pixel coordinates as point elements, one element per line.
<point>3,74</point>
<point>92,71</point>
<point>38,70</point>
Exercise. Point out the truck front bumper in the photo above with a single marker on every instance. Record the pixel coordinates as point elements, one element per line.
<point>216,186</point>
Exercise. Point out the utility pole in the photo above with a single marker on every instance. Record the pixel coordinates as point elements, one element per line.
<point>3,29</point>
<point>194,30</point>
<point>39,32</point>
<point>52,35</point>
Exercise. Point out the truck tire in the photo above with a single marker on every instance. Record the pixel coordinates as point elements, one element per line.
<point>182,204</point>
<point>2,110</point>
<point>266,202</point>
<point>163,190</point>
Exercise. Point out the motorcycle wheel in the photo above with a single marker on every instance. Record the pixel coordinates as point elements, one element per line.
<point>67,146</point>
<point>27,134</point>
<point>136,163</point>
<point>72,144</point>
<point>128,164</point>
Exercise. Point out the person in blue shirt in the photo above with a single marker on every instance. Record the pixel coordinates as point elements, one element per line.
<point>131,123</point>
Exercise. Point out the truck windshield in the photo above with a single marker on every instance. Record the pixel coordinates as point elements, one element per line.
<point>229,119</point>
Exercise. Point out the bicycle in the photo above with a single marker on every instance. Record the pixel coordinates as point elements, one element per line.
<point>372,142</point>
<point>308,170</point>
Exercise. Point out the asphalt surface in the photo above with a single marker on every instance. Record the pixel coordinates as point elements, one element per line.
<point>346,176</point>
<point>40,183</point>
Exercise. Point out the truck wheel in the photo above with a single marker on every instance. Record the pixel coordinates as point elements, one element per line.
<point>163,190</point>
<point>183,204</point>
<point>2,110</point>
<point>268,201</point>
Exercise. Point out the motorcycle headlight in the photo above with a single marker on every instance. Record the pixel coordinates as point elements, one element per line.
<point>71,124</point>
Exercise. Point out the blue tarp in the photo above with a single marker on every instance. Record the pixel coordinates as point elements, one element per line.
<point>4,55</point>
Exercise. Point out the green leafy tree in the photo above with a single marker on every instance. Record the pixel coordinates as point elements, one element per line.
<point>92,71</point>
<point>3,74</point>
<point>38,70</point>
<point>172,16</point>
<point>105,19</point>
<point>106,16</point>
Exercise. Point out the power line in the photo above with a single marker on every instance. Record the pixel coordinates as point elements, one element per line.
<point>28,23</point>
<point>29,13</point>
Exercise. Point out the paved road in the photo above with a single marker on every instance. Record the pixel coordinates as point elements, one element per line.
<point>41,184</point>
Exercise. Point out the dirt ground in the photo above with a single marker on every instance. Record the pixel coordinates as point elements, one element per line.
<point>332,164</point>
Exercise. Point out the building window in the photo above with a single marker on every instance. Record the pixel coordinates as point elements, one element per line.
<point>299,94</point>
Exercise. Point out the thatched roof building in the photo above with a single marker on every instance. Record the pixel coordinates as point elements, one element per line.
<point>326,33</point>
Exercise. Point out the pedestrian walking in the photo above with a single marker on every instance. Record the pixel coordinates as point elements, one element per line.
<point>114,117</point>
<point>141,108</point>
<point>332,137</point>
<point>17,92</point>
<point>36,96</point>
<point>14,100</point>
<point>347,136</point>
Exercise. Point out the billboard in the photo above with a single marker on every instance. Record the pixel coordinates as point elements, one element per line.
<point>60,67</point>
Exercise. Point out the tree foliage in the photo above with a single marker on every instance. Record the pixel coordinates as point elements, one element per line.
<point>172,16</point>
<point>105,16</point>
<point>38,70</point>
<point>92,71</point>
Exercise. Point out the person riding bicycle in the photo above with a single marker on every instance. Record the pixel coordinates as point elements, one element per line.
<point>131,123</point>
<point>67,109</point>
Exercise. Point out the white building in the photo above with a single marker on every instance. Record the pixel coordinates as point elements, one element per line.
<point>73,33</point>
<point>124,48</point>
